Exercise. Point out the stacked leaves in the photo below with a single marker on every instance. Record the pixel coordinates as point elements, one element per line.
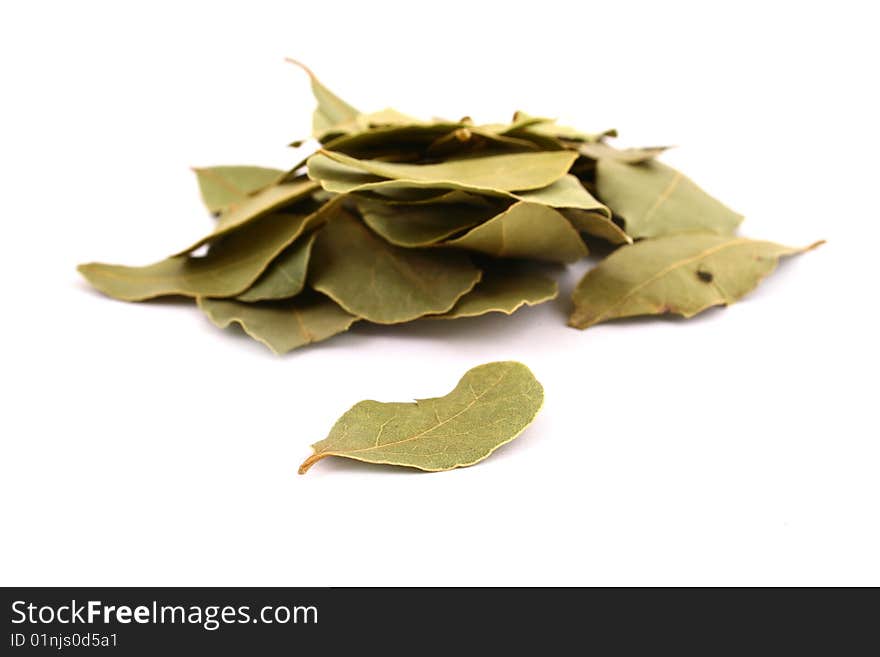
<point>395,219</point>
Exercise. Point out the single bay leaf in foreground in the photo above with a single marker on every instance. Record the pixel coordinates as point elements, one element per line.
<point>490,406</point>
<point>504,288</point>
<point>525,230</point>
<point>384,283</point>
<point>223,186</point>
<point>656,200</point>
<point>281,325</point>
<point>285,277</point>
<point>681,274</point>
<point>229,268</point>
<point>514,172</point>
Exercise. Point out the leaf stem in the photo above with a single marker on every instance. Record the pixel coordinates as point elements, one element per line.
<point>309,462</point>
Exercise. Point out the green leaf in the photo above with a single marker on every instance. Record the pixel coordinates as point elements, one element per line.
<point>253,207</point>
<point>504,288</point>
<point>681,274</point>
<point>230,267</point>
<point>567,192</point>
<point>490,406</point>
<point>656,200</point>
<point>332,112</point>
<point>226,185</point>
<point>600,150</point>
<point>512,172</point>
<point>527,127</point>
<point>421,224</point>
<point>285,277</point>
<point>384,283</point>
<point>597,225</point>
<point>525,230</point>
<point>281,325</point>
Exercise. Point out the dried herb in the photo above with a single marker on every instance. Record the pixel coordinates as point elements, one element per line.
<point>489,407</point>
<point>393,218</point>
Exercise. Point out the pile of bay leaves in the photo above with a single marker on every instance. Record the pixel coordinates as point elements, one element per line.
<point>395,219</point>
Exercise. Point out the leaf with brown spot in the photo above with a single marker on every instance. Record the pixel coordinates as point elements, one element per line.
<point>681,274</point>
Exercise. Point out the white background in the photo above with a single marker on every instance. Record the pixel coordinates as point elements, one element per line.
<point>141,445</point>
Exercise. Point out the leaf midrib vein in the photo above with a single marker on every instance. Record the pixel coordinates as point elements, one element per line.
<point>671,267</point>
<point>434,427</point>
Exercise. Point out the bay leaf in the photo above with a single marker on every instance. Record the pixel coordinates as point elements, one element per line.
<point>253,207</point>
<point>513,172</point>
<point>444,196</point>
<point>491,405</point>
<point>600,150</point>
<point>417,135</point>
<point>525,230</point>
<point>596,225</point>
<point>656,200</point>
<point>421,224</point>
<point>223,186</point>
<point>681,274</point>
<point>230,266</point>
<point>384,283</point>
<point>332,111</point>
<point>285,277</point>
<point>567,192</point>
<point>281,325</point>
<point>526,126</point>
<point>477,141</point>
<point>504,289</point>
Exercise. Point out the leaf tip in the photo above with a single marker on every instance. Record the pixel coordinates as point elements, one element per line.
<point>296,62</point>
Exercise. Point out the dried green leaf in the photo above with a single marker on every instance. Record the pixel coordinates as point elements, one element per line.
<point>656,200</point>
<point>285,277</point>
<point>281,325</point>
<point>332,112</point>
<point>596,225</point>
<point>230,267</point>
<point>504,289</point>
<point>681,274</point>
<point>384,283</point>
<point>253,207</point>
<point>567,192</point>
<point>525,230</point>
<point>224,186</point>
<point>421,224</point>
<point>490,406</point>
<point>526,126</point>
<point>600,150</point>
<point>513,172</point>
